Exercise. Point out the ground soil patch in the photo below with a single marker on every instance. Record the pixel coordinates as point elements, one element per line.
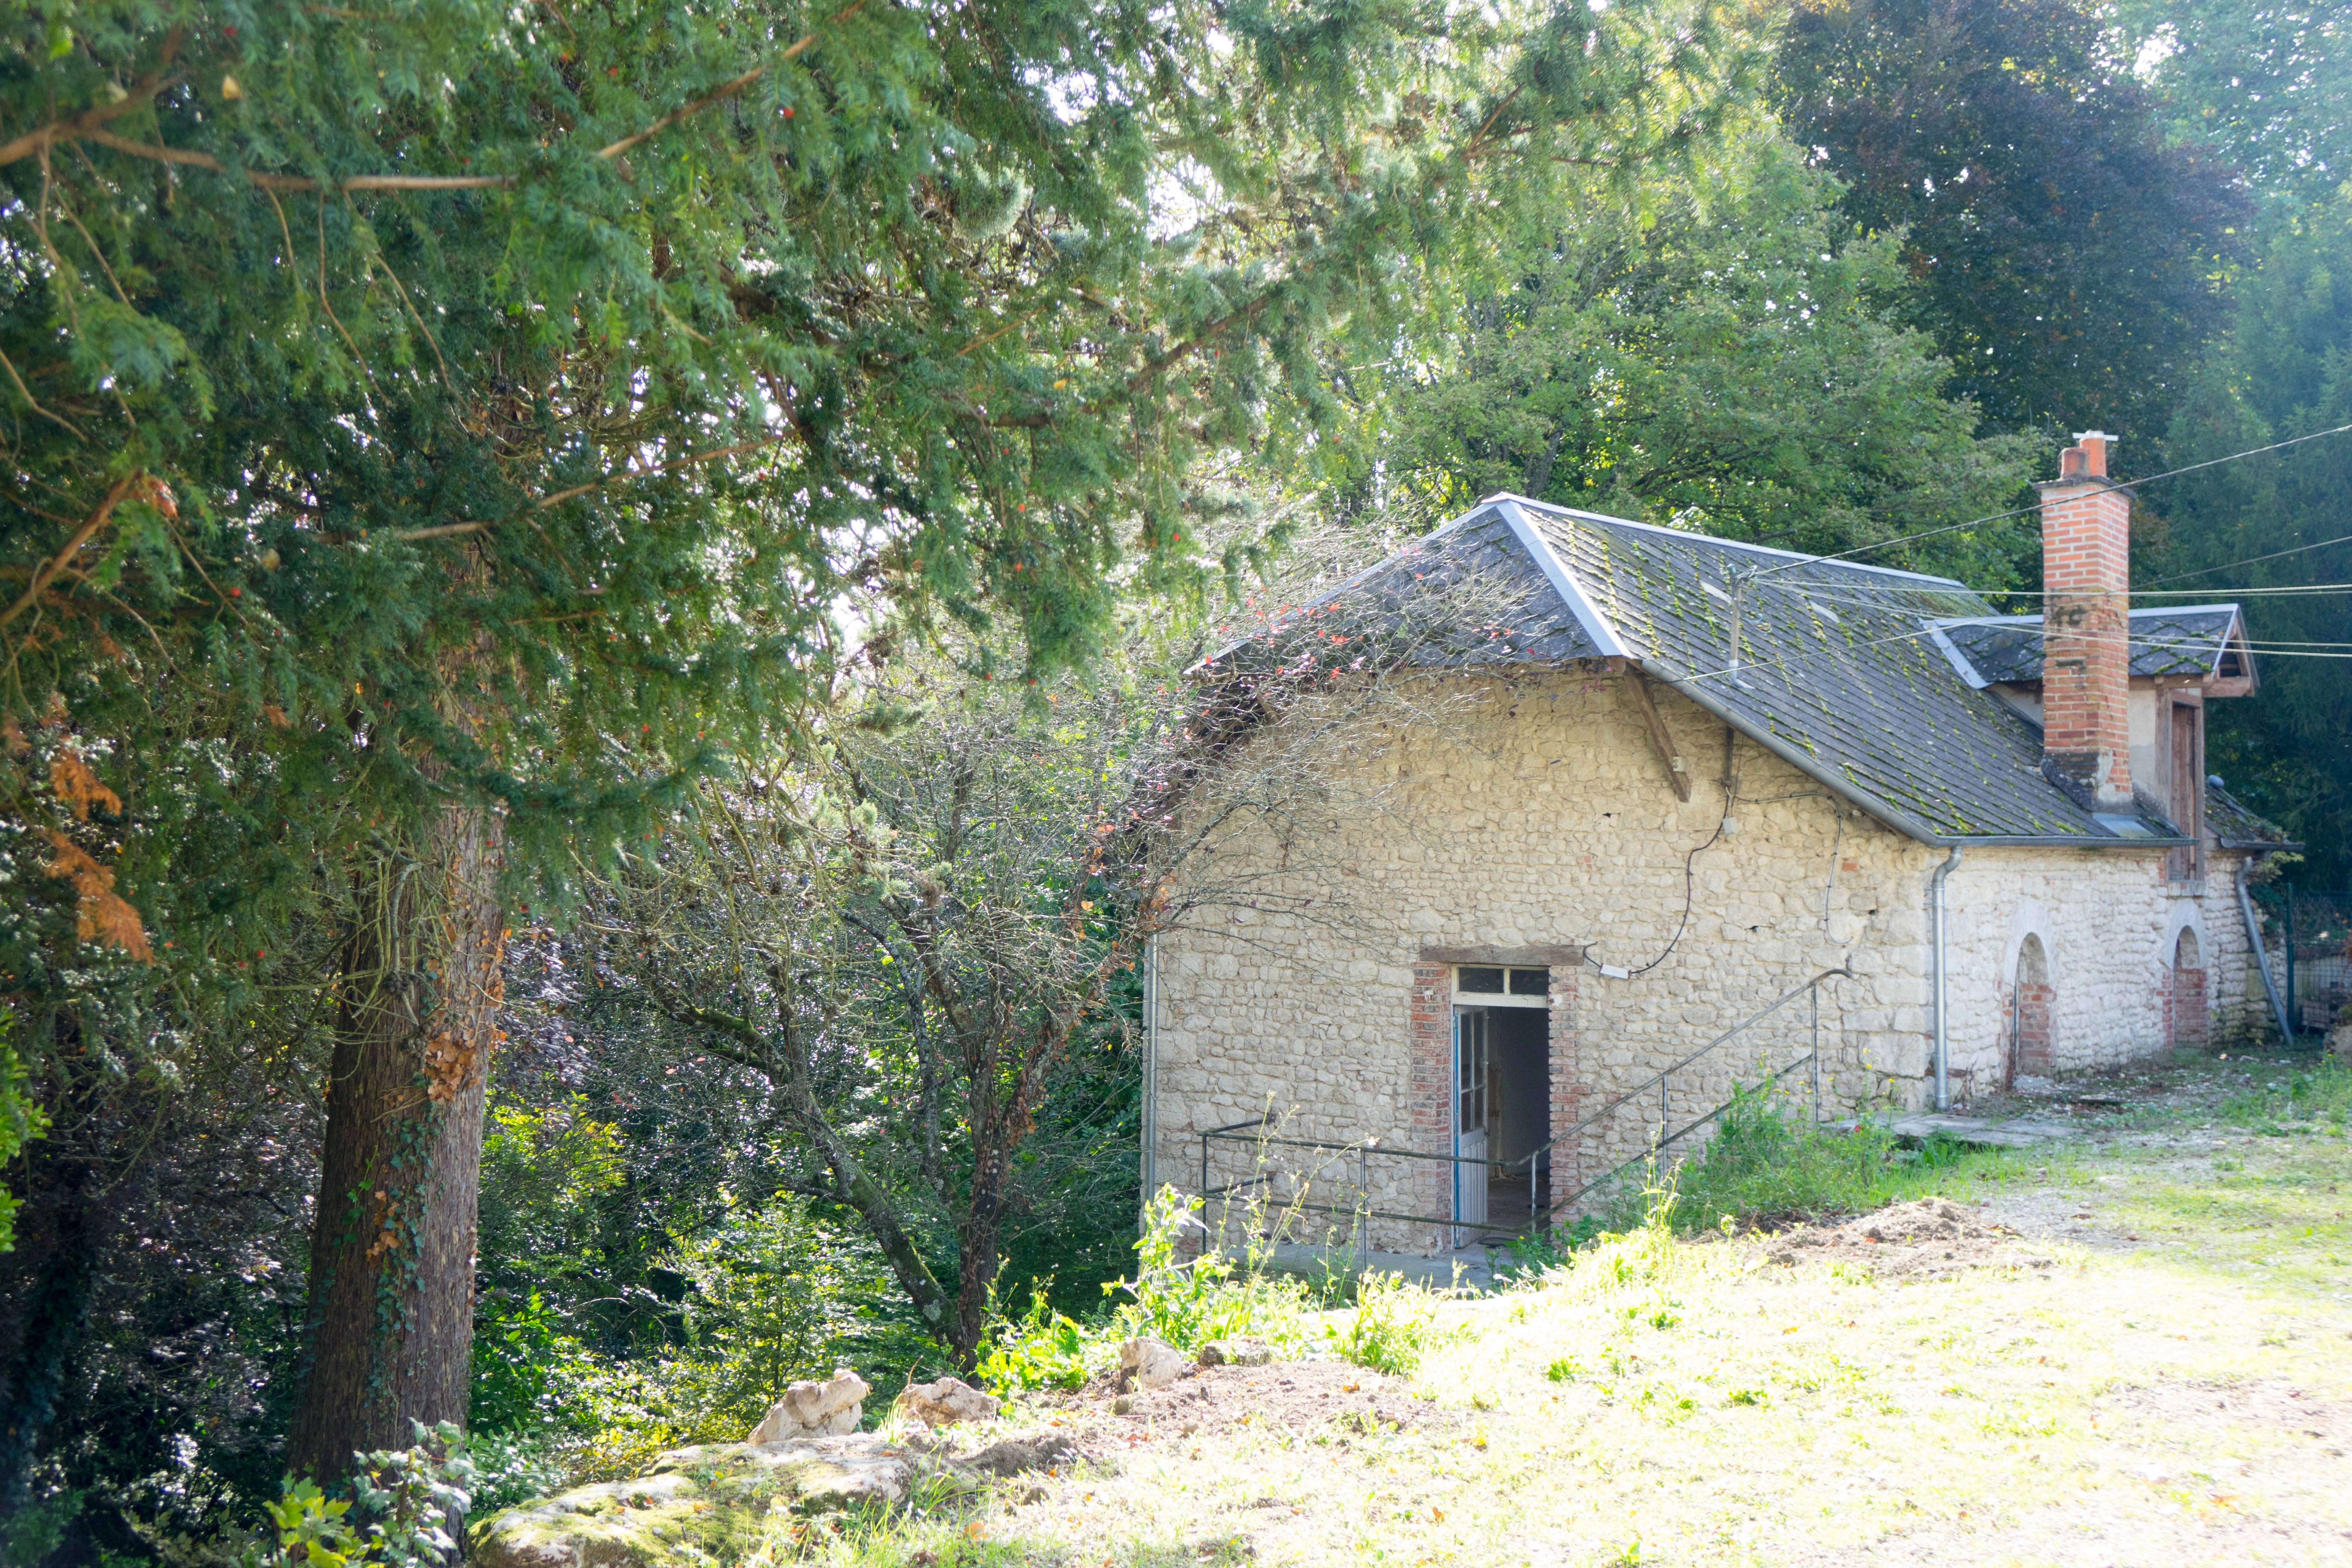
<point>1932,1238</point>
<point>1294,1398</point>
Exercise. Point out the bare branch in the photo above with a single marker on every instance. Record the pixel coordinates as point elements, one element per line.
<point>81,536</point>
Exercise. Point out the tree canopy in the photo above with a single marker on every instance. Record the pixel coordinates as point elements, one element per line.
<point>1719,356</point>
<point>2067,255</point>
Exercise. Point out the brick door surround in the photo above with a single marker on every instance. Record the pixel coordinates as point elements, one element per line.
<point>1430,1070</point>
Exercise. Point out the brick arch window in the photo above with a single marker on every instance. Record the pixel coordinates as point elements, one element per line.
<point>2031,1051</point>
<point>2184,994</point>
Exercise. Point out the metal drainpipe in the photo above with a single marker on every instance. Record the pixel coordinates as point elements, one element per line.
<point>1936,908</point>
<point>2262,953</point>
<point>1148,1162</point>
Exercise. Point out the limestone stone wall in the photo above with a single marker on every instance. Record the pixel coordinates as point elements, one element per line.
<point>1541,820</point>
<point>2109,926</point>
<point>1537,823</point>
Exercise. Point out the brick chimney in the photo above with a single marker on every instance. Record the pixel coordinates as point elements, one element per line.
<point>2085,626</point>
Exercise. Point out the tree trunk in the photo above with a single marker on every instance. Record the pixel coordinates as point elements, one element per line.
<point>391,1317</point>
<point>979,1257</point>
<point>61,1238</point>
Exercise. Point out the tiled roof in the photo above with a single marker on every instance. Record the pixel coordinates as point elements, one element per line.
<point>2186,640</point>
<point>2238,827</point>
<point>1840,671</point>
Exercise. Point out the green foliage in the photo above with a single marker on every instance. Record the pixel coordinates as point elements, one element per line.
<point>1768,1165</point>
<point>1183,1302</point>
<point>511,1469</point>
<point>1719,352</point>
<point>2286,750</point>
<point>2066,256</point>
<point>311,1527</point>
<point>1186,1303</point>
<point>402,1503</point>
<point>2270,85</point>
<point>765,1294</point>
<point>1393,1323</point>
<point>518,1351</point>
<point>409,1497</point>
<point>21,1120</point>
<point>1189,1302</point>
<point>1041,1349</point>
<point>776,1295</point>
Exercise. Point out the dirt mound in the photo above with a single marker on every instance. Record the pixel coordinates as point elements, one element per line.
<point>1928,1239</point>
<point>1297,1397</point>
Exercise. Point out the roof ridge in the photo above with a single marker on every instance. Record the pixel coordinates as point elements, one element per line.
<point>1603,517</point>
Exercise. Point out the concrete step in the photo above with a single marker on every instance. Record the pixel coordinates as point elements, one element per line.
<point>1987,1132</point>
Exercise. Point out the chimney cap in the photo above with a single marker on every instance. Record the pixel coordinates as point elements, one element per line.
<point>2087,457</point>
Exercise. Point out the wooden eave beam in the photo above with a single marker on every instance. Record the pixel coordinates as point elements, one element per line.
<point>1677,774</point>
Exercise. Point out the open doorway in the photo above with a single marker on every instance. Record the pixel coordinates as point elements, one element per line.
<point>1502,1097</point>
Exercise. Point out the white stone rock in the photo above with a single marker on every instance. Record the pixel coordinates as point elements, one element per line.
<point>946,1401</point>
<point>1150,1364</point>
<point>811,1409</point>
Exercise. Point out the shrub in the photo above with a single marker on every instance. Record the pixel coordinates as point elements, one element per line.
<point>513,1467</point>
<point>403,1501</point>
<point>1043,1349</point>
<point>779,1294</point>
<point>1394,1322</point>
<point>1187,1302</point>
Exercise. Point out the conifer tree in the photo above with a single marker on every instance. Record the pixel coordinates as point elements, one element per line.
<point>436,430</point>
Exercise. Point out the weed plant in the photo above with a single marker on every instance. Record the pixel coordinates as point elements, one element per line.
<point>2321,1094</point>
<point>1187,1302</point>
<point>1767,1167</point>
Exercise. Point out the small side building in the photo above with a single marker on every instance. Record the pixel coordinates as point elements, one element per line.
<point>1681,780</point>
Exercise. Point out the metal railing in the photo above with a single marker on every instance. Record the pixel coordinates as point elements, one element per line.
<point>1271,1163</point>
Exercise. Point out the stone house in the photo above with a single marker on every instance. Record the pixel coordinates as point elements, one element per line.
<point>1689,778</point>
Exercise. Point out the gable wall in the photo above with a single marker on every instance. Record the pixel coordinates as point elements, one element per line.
<point>1543,820</point>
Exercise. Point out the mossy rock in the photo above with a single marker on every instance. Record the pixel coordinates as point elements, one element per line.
<point>694,1506</point>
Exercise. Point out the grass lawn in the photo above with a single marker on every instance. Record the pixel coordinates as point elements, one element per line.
<point>2156,1367</point>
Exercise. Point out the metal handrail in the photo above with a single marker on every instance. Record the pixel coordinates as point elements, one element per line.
<point>1658,1080</point>
<point>1364,1147</point>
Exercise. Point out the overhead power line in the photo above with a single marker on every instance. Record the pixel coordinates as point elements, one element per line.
<point>2022,510</point>
<point>2250,559</point>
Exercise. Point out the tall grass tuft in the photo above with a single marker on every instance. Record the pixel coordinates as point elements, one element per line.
<point>1768,1167</point>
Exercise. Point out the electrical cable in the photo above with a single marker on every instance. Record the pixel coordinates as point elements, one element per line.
<point>1730,798</point>
<point>2250,559</point>
<point>2020,511</point>
<point>2267,651</point>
